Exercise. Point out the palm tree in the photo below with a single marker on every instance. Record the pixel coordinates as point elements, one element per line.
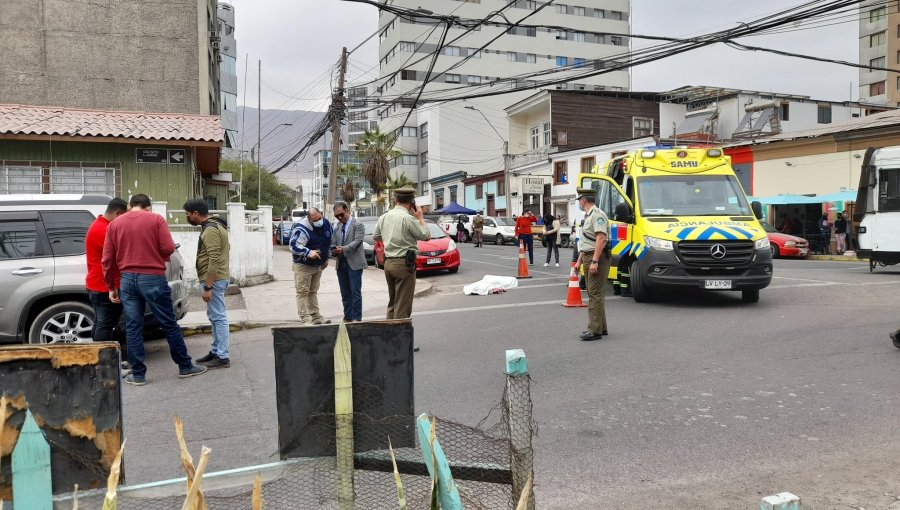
<point>376,150</point>
<point>349,174</point>
<point>398,181</point>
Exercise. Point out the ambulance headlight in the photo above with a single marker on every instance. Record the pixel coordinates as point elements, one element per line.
<point>658,244</point>
<point>762,244</point>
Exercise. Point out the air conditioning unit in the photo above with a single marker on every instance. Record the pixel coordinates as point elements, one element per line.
<point>226,177</point>
<point>234,186</point>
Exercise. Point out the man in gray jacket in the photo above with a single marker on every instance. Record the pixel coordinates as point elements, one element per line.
<point>347,247</point>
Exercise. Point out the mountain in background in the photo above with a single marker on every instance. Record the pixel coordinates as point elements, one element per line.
<point>279,146</point>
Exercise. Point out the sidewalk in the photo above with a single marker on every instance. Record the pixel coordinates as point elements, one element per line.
<point>275,303</point>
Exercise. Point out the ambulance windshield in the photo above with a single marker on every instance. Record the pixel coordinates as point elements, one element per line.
<point>691,195</point>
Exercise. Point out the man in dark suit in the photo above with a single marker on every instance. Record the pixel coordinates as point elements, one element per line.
<point>347,247</point>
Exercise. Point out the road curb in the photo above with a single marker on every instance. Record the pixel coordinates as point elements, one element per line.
<point>236,326</point>
<point>426,288</point>
<point>836,258</point>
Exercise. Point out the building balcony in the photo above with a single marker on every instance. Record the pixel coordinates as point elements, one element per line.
<point>528,158</point>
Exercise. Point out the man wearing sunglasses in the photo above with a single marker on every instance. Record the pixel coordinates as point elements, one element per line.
<point>350,257</point>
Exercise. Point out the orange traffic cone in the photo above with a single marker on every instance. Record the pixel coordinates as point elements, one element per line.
<point>523,266</point>
<point>573,298</point>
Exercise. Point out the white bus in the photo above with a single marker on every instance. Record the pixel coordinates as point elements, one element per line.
<point>878,207</point>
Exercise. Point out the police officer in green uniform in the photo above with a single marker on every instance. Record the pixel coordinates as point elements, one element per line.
<point>400,229</point>
<point>594,258</point>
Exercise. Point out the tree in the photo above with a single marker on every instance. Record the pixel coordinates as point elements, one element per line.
<point>376,150</point>
<point>398,181</point>
<point>348,175</point>
<point>279,196</point>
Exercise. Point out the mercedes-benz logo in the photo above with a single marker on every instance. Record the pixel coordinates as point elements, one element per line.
<point>717,251</point>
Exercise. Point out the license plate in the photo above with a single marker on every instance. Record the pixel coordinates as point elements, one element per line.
<point>433,261</point>
<point>718,284</point>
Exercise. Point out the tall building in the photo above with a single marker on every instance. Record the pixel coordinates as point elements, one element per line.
<point>467,137</point>
<point>879,46</point>
<point>131,56</point>
<point>361,114</point>
<point>228,73</point>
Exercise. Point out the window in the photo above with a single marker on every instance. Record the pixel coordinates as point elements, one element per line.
<point>561,8</point>
<point>587,164</point>
<point>408,131</point>
<point>228,65</point>
<point>479,190</point>
<point>19,240</point>
<point>453,51</point>
<point>579,62</point>
<point>407,74</point>
<point>617,15</point>
<point>642,127</point>
<point>229,101</point>
<point>546,127</point>
<point>526,31</point>
<point>501,187</point>
<point>579,11</point>
<point>562,35</point>
<point>423,159</point>
<point>877,62</point>
<point>409,160</point>
<point>616,40</point>
<point>82,180</point>
<point>406,46</point>
<point>66,231</point>
<point>535,137</point>
<point>599,13</point>
<point>423,130</point>
<point>560,172</point>
<point>898,56</point>
<point>889,190</point>
<point>877,39</point>
<point>473,80</point>
<point>453,193</point>
<point>784,112</point>
<point>877,14</point>
<point>824,114</point>
<point>562,61</point>
<point>898,83</point>
<point>451,78</point>
<point>579,36</point>
<point>473,53</point>
<point>530,58</point>
<point>439,198</point>
<point>876,89</point>
<point>511,56</point>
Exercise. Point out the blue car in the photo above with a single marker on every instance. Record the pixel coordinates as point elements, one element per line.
<point>284,227</point>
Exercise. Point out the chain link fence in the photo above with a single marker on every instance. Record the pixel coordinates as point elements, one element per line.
<point>490,462</point>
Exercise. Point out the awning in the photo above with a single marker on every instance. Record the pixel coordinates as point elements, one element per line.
<point>841,196</point>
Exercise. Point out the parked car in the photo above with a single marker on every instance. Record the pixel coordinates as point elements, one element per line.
<point>43,268</point>
<point>437,254</point>
<point>785,245</point>
<point>448,224</point>
<point>500,230</point>
<point>284,227</point>
<point>369,223</point>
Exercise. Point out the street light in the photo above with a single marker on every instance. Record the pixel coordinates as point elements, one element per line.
<point>258,148</point>
<point>508,196</point>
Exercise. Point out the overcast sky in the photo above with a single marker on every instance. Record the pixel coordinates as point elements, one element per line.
<point>298,41</point>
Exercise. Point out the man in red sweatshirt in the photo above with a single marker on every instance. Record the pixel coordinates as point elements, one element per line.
<point>138,244</point>
<point>524,233</point>
<point>106,313</point>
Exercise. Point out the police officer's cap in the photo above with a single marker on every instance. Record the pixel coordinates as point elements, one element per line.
<point>586,193</point>
<point>405,191</point>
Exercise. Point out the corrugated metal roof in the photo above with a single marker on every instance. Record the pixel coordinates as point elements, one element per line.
<point>877,120</point>
<point>57,121</point>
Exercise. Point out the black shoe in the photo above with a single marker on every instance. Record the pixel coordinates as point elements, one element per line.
<point>604,333</point>
<point>206,359</point>
<point>590,335</point>
<point>895,337</point>
<point>190,372</point>
<point>218,362</point>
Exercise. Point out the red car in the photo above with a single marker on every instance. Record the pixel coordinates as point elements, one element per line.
<point>785,245</point>
<point>437,254</point>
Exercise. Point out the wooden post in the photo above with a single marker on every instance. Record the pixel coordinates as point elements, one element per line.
<point>32,485</point>
<point>437,464</point>
<point>518,397</point>
<point>343,417</point>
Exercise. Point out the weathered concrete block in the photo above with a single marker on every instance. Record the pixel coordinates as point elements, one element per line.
<point>782,501</point>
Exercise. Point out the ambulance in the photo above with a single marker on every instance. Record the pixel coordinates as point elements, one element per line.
<point>679,219</point>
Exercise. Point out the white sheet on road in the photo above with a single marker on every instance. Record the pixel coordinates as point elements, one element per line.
<point>489,283</point>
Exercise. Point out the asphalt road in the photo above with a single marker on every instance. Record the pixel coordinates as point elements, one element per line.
<point>697,401</point>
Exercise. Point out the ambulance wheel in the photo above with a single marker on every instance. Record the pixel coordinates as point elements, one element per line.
<point>638,291</point>
<point>750,295</point>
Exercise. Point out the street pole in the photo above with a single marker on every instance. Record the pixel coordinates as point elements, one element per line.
<point>337,111</point>
<point>506,178</point>
<point>259,137</point>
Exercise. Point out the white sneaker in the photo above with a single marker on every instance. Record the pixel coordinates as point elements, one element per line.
<point>557,264</point>
<point>546,264</point>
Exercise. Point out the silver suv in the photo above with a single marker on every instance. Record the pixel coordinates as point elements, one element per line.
<point>43,268</point>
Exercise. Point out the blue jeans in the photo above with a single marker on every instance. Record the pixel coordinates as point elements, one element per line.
<point>137,293</point>
<point>350,282</point>
<point>215,310</point>
<point>529,246</point>
<point>106,316</point>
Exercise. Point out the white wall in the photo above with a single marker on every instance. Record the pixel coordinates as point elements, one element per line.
<point>819,174</point>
